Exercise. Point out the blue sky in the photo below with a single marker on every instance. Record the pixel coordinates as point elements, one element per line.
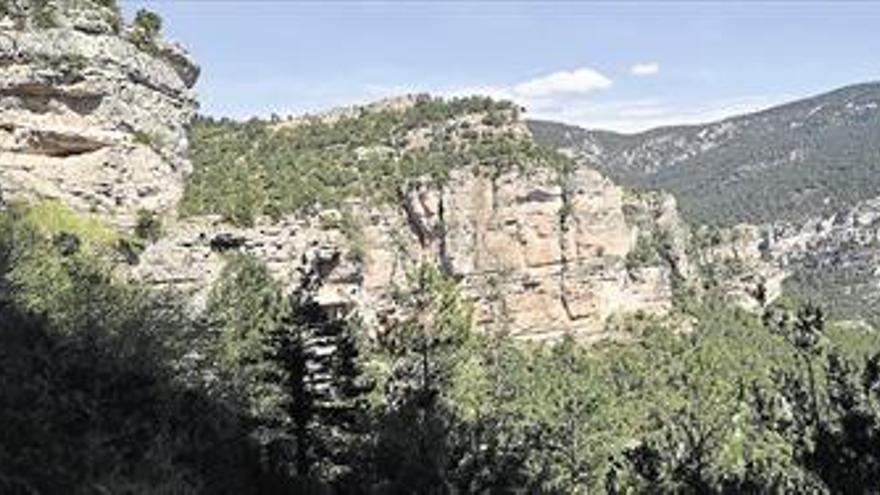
<point>625,66</point>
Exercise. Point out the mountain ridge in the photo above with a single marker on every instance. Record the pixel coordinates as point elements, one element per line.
<point>736,169</point>
<point>797,101</point>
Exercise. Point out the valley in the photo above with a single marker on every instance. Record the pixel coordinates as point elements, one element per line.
<point>423,294</point>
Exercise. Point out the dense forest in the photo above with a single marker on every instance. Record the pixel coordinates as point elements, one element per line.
<point>108,387</point>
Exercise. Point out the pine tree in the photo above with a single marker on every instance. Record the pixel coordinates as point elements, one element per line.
<point>422,350</point>
<point>318,368</point>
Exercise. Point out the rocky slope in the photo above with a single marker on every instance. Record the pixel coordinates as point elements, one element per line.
<point>809,158</point>
<point>93,117</point>
<point>87,116</point>
<point>539,257</point>
<point>97,118</point>
<point>802,175</point>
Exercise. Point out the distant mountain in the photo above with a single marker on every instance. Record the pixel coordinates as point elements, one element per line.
<point>807,158</point>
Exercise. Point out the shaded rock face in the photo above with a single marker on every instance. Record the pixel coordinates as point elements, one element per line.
<point>539,255</point>
<point>87,117</point>
<point>192,254</point>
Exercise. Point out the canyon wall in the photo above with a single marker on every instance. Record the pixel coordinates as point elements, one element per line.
<point>89,117</point>
<point>96,117</point>
<point>538,257</point>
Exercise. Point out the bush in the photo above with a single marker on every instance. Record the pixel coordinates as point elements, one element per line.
<point>148,227</point>
<point>149,22</point>
<point>145,30</point>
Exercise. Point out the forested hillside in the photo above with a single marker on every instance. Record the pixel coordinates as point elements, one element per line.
<point>242,170</point>
<point>413,296</point>
<point>111,388</point>
<point>804,159</point>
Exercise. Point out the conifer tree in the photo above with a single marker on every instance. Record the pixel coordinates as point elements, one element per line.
<point>317,364</point>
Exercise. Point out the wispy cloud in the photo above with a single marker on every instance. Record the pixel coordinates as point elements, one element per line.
<point>643,114</point>
<point>574,82</point>
<point>578,96</point>
<point>645,69</point>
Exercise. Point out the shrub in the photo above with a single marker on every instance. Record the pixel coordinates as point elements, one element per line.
<point>149,22</point>
<point>53,217</point>
<point>148,226</point>
<point>146,28</point>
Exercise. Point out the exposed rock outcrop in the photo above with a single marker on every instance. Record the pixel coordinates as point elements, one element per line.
<point>92,116</point>
<point>86,116</point>
<point>539,256</point>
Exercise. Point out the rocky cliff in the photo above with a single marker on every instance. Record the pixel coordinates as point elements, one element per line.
<point>96,114</point>
<point>803,176</point>
<point>539,258</point>
<point>88,115</point>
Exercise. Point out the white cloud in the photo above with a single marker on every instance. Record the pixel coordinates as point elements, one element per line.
<point>572,97</point>
<point>645,69</point>
<point>575,82</point>
<point>632,115</point>
<point>546,90</point>
<point>641,115</point>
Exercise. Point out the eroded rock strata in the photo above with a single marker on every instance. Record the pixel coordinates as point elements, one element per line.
<point>98,121</point>
<point>88,117</point>
<point>539,258</point>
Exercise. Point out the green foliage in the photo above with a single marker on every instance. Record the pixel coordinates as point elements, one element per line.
<point>53,217</point>
<point>642,254</point>
<point>96,395</point>
<point>424,355</point>
<point>803,159</point>
<point>652,248</point>
<point>111,388</point>
<point>298,369</point>
<point>52,248</point>
<point>318,366</point>
<point>146,28</point>
<point>843,280</point>
<point>244,306</point>
<point>354,233</point>
<point>426,347</point>
<point>148,21</point>
<point>148,226</point>
<point>246,169</point>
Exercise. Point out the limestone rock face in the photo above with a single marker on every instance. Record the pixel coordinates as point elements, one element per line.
<point>539,256</point>
<point>99,122</point>
<point>192,254</point>
<point>837,254</point>
<point>86,116</point>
